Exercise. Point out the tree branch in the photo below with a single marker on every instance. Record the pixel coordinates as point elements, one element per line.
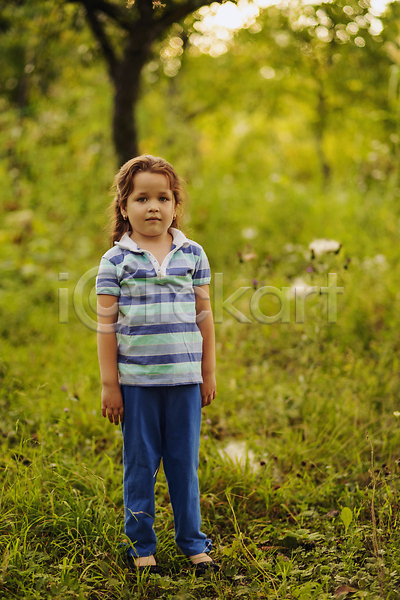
<point>102,38</point>
<point>120,16</point>
<point>145,8</point>
<point>179,11</point>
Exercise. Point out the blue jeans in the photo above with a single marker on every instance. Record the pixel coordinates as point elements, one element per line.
<point>162,422</point>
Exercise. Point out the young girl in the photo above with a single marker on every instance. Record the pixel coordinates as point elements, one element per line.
<point>157,355</point>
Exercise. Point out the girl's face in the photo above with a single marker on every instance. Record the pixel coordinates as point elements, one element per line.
<point>151,206</point>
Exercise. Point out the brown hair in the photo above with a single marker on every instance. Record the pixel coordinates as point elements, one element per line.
<point>123,188</point>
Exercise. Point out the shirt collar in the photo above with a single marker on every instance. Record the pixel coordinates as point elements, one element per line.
<point>179,240</point>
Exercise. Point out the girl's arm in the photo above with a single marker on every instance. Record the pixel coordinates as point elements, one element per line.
<point>111,398</point>
<point>206,325</point>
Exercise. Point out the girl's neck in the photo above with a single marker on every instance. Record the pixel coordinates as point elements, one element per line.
<point>159,246</point>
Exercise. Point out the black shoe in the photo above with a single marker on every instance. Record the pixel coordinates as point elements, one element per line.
<point>148,569</point>
<point>208,566</point>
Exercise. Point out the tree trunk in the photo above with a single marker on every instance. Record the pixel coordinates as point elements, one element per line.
<point>319,131</point>
<point>125,73</point>
<point>127,88</point>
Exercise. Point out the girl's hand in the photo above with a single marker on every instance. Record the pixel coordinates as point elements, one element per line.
<point>111,404</point>
<point>208,389</point>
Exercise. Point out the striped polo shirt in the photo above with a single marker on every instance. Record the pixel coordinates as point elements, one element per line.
<point>159,342</point>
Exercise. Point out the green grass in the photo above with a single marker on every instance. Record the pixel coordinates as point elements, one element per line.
<point>312,401</point>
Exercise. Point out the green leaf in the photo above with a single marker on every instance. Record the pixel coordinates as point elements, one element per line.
<point>230,571</point>
<point>346,516</point>
<point>289,541</point>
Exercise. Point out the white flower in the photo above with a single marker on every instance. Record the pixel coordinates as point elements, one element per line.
<point>249,233</point>
<point>29,269</point>
<point>293,248</point>
<point>249,256</point>
<point>20,219</point>
<point>298,284</point>
<point>377,262</point>
<point>238,453</point>
<point>380,259</point>
<point>396,414</point>
<point>324,246</point>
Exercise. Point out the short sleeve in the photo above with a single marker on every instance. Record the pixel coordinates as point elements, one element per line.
<point>107,281</point>
<point>202,273</point>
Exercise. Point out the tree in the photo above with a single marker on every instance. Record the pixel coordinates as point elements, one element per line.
<point>317,75</point>
<point>126,33</point>
<point>32,37</point>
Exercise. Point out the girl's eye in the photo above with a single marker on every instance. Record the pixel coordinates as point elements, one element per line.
<point>142,199</point>
<point>163,199</point>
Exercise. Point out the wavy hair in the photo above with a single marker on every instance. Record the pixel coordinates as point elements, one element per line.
<point>123,187</point>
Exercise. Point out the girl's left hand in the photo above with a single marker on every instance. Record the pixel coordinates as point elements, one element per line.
<point>208,389</point>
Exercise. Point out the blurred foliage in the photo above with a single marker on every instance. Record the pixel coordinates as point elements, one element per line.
<point>40,42</point>
<point>306,96</point>
<point>319,100</point>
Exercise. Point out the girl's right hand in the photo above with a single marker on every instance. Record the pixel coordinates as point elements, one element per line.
<point>111,404</point>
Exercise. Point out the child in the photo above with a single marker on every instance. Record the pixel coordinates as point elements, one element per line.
<point>157,355</point>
